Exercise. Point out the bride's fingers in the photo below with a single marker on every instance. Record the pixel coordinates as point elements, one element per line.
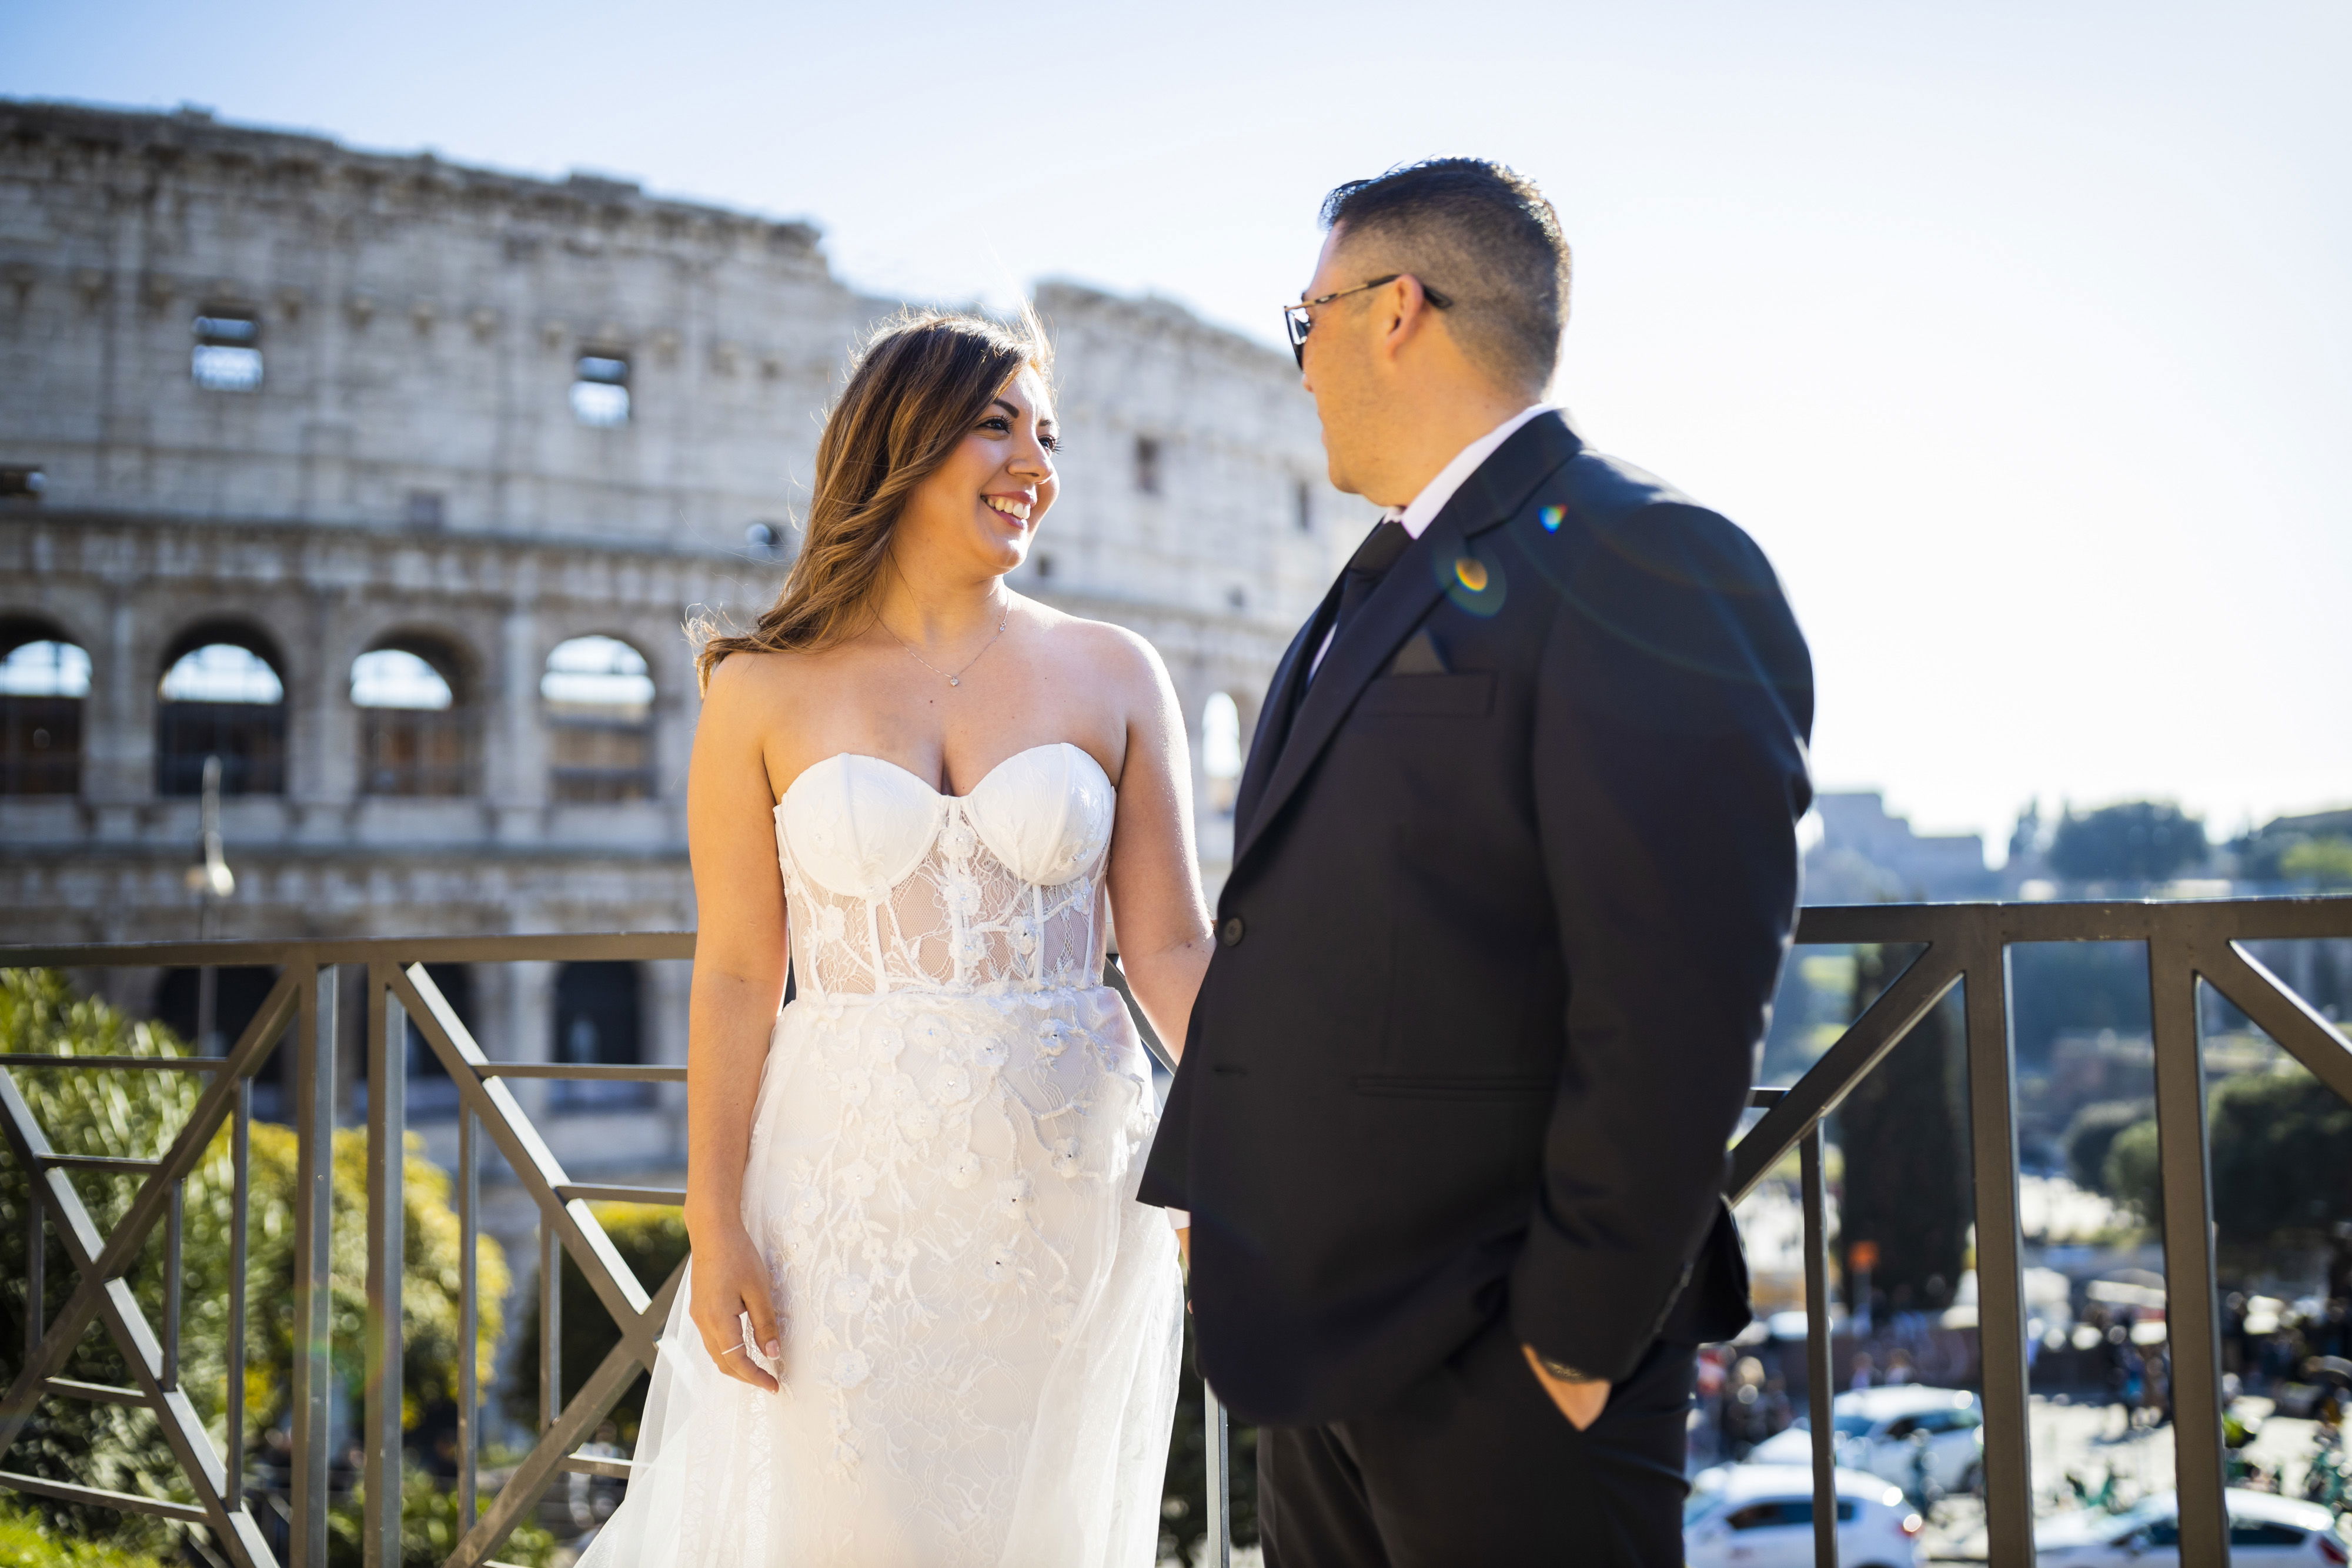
<point>722,1337</point>
<point>763,1327</point>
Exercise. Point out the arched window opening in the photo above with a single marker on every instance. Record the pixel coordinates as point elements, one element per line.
<point>238,992</point>
<point>221,695</point>
<point>1221,751</point>
<point>600,715</point>
<point>416,734</point>
<point>43,684</point>
<point>598,1020</point>
<point>431,1091</point>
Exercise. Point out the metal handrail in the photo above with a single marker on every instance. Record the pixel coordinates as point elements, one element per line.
<point>1963,946</point>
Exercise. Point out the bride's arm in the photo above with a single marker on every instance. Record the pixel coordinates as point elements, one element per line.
<point>1154,877</point>
<point>739,981</point>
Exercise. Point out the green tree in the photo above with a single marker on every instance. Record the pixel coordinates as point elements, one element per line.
<point>2091,1135</point>
<point>2322,862</point>
<point>2138,841</point>
<point>138,1113</point>
<point>2282,1154</point>
<point>1906,1155</point>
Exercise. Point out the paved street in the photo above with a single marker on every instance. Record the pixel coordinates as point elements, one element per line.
<point>2091,1442</point>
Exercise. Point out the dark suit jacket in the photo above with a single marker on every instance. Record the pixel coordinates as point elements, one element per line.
<point>1498,948</point>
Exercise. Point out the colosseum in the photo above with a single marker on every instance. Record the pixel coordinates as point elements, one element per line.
<point>390,484</point>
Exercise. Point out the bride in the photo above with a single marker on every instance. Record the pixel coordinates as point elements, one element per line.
<point>926,1322</point>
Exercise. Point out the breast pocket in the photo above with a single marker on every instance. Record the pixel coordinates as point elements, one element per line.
<point>1469,693</point>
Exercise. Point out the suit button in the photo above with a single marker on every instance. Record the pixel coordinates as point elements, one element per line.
<point>1230,932</point>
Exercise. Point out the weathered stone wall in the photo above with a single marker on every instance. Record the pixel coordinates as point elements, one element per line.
<point>419,324</point>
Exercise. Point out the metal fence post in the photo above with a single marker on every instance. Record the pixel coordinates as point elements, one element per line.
<point>387,1122</point>
<point>2192,1331</point>
<point>2000,1270</point>
<point>469,1315</point>
<point>551,1321</point>
<point>240,1153</point>
<point>1818,1377</point>
<point>1219,1480</point>
<point>314,1192</point>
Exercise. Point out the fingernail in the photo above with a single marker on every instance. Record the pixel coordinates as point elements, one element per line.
<point>772,1349</point>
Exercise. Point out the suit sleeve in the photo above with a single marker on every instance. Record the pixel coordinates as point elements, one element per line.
<point>1673,704</point>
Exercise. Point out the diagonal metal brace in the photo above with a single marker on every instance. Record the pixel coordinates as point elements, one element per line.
<point>1824,1086</point>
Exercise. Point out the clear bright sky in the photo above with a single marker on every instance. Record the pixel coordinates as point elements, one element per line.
<point>2016,333</point>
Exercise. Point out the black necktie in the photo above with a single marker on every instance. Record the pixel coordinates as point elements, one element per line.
<point>1365,569</point>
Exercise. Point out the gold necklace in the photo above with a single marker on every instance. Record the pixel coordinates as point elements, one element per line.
<point>956,679</point>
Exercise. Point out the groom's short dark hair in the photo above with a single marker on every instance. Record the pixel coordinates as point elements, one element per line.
<point>1480,234</point>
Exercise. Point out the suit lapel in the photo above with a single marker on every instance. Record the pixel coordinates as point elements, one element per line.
<point>1488,497</point>
<point>1274,720</point>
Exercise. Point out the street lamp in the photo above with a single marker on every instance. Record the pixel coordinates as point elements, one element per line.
<point>212,882</point>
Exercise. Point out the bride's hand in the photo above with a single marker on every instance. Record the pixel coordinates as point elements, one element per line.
<point>730,1279</point>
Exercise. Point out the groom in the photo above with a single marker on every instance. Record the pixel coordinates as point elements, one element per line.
<point>1514,866</point>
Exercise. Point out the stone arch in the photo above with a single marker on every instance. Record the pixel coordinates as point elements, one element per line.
<point>1224,744</point>
<point>597,692</point>
<point>44,693</point>
<point>221,692</point>
<point>417,690</point>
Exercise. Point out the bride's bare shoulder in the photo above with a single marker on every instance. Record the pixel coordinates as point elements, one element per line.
<point>754,688</point>
<point>1100,647</point>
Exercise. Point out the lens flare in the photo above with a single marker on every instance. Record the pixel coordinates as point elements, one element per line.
<point>1551,516</point>
<point>1473,584</point>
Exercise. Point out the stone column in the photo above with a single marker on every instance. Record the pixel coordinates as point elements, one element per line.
<point>529,1029</point>
<point>119,720</point>
<point>516,774</point>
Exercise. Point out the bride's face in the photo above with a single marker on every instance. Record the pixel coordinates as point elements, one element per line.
<point>981,508</point>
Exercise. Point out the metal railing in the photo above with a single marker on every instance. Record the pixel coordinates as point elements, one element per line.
<point>1962,945</point>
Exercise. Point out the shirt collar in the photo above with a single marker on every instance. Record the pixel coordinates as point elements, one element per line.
<point>1417,514</point>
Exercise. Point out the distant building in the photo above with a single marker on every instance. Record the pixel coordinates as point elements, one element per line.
<point>1866,856</point>
<point>391,483</point>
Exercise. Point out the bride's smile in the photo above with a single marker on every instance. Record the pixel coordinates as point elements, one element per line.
<point>977,514</point>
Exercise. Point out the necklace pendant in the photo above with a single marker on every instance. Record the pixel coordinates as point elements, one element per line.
<point>955,680</point>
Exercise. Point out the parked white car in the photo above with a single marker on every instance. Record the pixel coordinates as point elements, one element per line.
<point>1879,1430</point>
<point>2263,1529</point>
<point>1761,1516</point>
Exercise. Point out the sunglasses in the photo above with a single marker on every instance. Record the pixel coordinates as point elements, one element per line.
<point>1300,322</point>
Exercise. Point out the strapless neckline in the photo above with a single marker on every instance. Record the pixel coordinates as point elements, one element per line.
<point>978,784</point>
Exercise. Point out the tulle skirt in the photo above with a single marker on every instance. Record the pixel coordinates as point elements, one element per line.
<point>981,1326</point>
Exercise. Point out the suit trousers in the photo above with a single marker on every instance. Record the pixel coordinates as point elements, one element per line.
<point>1475,1467</point>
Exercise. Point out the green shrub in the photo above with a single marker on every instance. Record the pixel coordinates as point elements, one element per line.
<point>137,1113</point>
<point>651,1239</point>
<point>27,1542</point>
<point>429,1529</point>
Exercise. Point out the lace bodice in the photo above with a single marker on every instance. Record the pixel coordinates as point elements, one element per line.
<point>893,886</point>
<point>980,1327</point>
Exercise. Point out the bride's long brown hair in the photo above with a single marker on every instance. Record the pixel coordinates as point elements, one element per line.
<point>916,390</point>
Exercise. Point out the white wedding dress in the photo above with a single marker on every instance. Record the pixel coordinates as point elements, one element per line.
<point>981,1326</point>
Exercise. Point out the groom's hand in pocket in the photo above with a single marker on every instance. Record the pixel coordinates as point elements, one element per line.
<point>1580,1399</point>
<point>730,1281</point>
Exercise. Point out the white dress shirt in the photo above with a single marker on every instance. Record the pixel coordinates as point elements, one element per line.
<point>1422,510</point>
